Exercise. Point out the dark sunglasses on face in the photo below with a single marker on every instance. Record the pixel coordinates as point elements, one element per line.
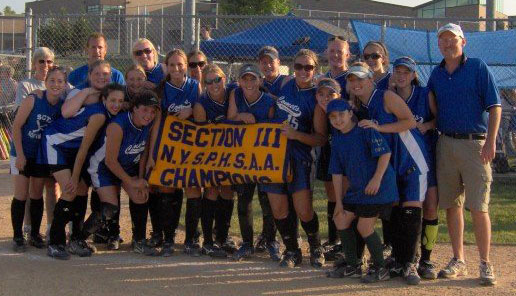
<point>374,56</point>
<point>200,64</point>
<point>142,51</point>
<point>49,62</point>
<point>307,68</point>
<point>212,81</point>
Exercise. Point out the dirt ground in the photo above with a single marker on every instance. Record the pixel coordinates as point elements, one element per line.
<point>125,273</point>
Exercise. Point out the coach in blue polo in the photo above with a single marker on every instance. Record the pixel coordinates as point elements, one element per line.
<point>468,117</point>
<point>96,49</point>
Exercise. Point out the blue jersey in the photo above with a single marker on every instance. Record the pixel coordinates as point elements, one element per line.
<point>419,104</point>
<point>408,147</point>
<point>155,75</point>
<point>215,111</point>
<point>274,87</point>
<point>61,139</point>
<point>341,79</point>
<point>383,83</point>
<point>296,106</point>
<point>259,108</point>
<point>133,144</point>
<point>355,155</point>
<point>79,77</point>
<point>41,115</point>
<point>176,99</point>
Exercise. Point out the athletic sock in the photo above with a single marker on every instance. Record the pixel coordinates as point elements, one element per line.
<point>36,215</point>
<point>332,230</point>
<point>411,221</point>
<point>153,205</point>
<point>227,206</point>
<point>312,231</point>
<point>139,220</point>
<point>387,231</point>
<point>374,245</point>
<point>359,239</point>
<point>245,194</point>
<point>207,216</point>
<point>17,213</point>
<point>177,204</point>
<point>349,242</point>
<point>94,201</point>
<point>286,230</point>
<point>193,210</point>
<point>166,215</point>
<point>79,205</point>
<point>397,235</point>
<point>63,213</point>
<point>428,238</point>
<point>268,226</point>
<point>293,216</point>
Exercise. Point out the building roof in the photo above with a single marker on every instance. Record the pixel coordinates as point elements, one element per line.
<point>19,24</point>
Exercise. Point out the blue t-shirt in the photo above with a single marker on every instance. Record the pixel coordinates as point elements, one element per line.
<point>341,79</point>
<point>259,108</point>
<point>464,96</point>
<point>79,77</point>
<point>41,115</point>
<point>215,111</point>
<point>383,83</point>
<point>355,155</point>
<point>156,75</point>
<point>274,87</point>
<point>176,99</point>
<point>296,106</point>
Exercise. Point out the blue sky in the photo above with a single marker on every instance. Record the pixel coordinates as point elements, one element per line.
<point>510,5</point>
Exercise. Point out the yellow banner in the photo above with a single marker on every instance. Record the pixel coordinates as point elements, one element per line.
<point>192,155</point>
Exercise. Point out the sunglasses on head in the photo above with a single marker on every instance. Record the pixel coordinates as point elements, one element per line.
<point>49,62</point>
<point>374,56</point>
<point>142,51</point>
<point>212,81</point>
<point>200,64</point>
<point>307,68</point>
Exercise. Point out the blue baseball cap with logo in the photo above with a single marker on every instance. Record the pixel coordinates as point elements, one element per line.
<point>338,105</point>
<point>405,61</point>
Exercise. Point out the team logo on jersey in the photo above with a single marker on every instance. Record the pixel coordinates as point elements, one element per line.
<point>419,119</point>
<point>79,112</point>
<point>173,108</point>
<point>135,149</point>
<point>42,121</point>
<point>291,109</point>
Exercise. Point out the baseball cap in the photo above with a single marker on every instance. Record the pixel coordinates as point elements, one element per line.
<point>146,98</point>
<point>405,61</point>
<point>338,105</point>
<point>329,83</point>
<point>268,51</point>
<point>360,72</point>
<point>454,28</point>
<point>250,69</point>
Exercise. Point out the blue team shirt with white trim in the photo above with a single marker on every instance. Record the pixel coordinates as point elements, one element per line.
<point>215,111</point>
<point>341,79</point>
<point>78,78</point>
<point>464,96</point>
<point>176,99</point>
<point>383,83</point>
<point>259,108</point>
<point>155,75</point>
<point>274,87</point>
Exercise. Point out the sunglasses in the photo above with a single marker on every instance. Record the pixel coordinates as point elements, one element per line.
<point>142,51</point>
<point>49,62</point>
<point>212,81</point>
<point>307,68</point>
<point>374,56</point>
<point>200,64</point>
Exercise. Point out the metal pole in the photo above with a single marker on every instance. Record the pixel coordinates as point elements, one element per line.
<point>491,14</point>
<point>145,21</point>
<point>161,43</point>
<point>28,42</point>
<point>13,35</point>
<point>384,28</point>
<point>197,33</point>
<point>101,25</point>
<point>137,24</point>
<point>190,25</point>
<point>2,48</point>
<point>118,33</point>
<point>182,19</point>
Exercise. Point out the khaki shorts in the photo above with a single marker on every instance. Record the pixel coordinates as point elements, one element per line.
<point>462,178</point>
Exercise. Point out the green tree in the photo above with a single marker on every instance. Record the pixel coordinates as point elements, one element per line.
<point>65,37</point>
<point>253,7</point>
<point>8,11</point>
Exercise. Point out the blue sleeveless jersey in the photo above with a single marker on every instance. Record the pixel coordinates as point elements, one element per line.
<point>259,108</point>
<point>133,144</point>
<point>215,111</point>
<point>408,147</point>
<point>155,75</point>
<point>419,104</point>
<point>296,106</point>
<point>383,83</point>
<point>274,87</point>
<point>42,114</point>
<point>176,99</point>
<point>61,139</point>
<point>341,79</point>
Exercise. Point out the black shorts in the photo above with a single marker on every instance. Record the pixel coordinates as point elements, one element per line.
<point>54,168</point>
<point>382,211</point>
<point>31,169</point>
<point>322,165</point>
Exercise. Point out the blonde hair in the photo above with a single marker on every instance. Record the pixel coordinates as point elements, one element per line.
<point>135,67</point>
<point>196,52</point>
<point>41,53</point>
<point>307,53</point>
<point>151,46</point>
<point>383,47</point>
<point>352,98</point>
<point>212,68</point>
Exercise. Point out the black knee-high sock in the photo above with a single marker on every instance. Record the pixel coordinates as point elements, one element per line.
<point>138,220</point>
<point>166,215</point>
<point>359,239</point>
<point>332,230</point>
<point>95,202</point>
<point>79,205</point>
<point>219,217</point>
<point>397,235</point>
<point>207,216</point>
<point>286,229</point>
<point>268,225</point>
<point>411,221</point>
<point>428,238</point>
<point>193,211</point>
<point>177,204</point>
<point>293,215</point>
<point>312,232</point>
<point>245,194</point>
<point>153,205</point>
<point>374,245</point>
<point>349,242</point>
<point>115,225</point>
<point>227,210</point>
<point>387,232</point>
<point>17,213</point>
<point>36,215</point>
<point>63,213</point>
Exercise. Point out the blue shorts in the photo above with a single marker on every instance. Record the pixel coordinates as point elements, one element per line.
<point>103,177</point>
<point>412,187</point>
<point>301,171</point>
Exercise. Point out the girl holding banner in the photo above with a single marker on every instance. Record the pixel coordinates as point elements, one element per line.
<point>305,127</point>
